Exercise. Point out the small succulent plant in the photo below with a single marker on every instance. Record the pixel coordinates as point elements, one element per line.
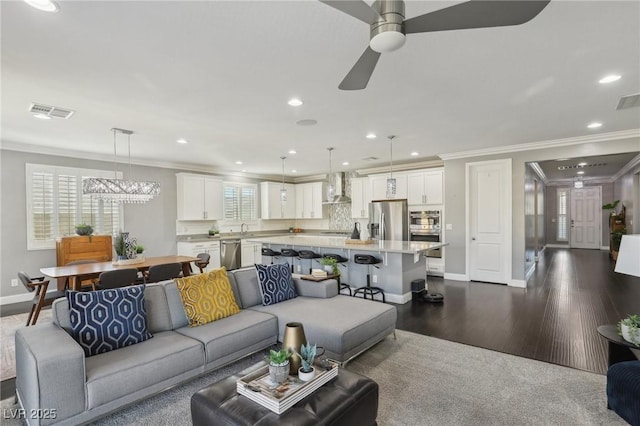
<point>632,322</point>
<point>307,356</point>
<point>279,357</point>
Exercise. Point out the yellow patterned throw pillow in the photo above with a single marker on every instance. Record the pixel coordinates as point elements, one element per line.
<point>207,297</point>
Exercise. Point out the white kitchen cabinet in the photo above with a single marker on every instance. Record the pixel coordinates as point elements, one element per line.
<point>309,197</point>
<point>212,248</point>
<point>251,253</point>
<point>360,197</point>
<point>379,186</point>
<point>271,206</point>
<point>199,197</point>
<point>425,187</point>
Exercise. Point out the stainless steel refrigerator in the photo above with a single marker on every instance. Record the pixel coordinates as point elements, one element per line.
<point>389,220</point>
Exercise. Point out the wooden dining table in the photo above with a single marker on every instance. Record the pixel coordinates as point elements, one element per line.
<point>74,274</point>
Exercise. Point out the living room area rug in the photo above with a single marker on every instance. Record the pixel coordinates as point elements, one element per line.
<point>429,381</point>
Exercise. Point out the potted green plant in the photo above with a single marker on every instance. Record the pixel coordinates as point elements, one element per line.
<point>611,206</point>
<point>139,249</point>
<point>330,265</point>
<point>307,355</point>
<point>84,229</point>
<point>120,246</point>
<point>629,329</point>
<point>279,365</point>
<point>616,238</point>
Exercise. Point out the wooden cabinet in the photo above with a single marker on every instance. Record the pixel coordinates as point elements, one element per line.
<point>212,248</point>
<point>251,253</point>
<point>95,247</point>
<point>360,197</point>
<point>309,200</point>
<point>199,197</point>
<point>425,187</point>
<point>271,205</point>
<point>379,186</point>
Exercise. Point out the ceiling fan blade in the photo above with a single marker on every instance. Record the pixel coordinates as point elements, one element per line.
<point>356,8</point>
<point>359,76</point>
<point>476,14</point>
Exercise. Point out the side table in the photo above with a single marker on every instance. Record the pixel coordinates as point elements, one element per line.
<point>619,349</point>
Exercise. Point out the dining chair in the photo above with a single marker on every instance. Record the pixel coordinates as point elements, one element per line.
<point>41,297</point>
<point>117,278</point>
<point>85,281</point>
<point>203,261</point>
<point>166,271</point>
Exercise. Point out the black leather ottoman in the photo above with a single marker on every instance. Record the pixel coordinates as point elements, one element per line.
<point>349,399</point>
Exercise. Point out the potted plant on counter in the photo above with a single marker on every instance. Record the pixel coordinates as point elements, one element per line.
<point>279,365</point>
<point>629,329</point>
<point>307,355</point>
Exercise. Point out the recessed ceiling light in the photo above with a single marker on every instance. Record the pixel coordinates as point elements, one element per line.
<point>182,141</point>
<point>238,162</point>
<point>294,171</point>
<point>346,163</point>
<point>244,170</point>
<point>292,151</point>
<point>42,116</point>
<point>581,172</point>
<point>415,154</point>
<point>371,136</point>
<point>295,102</point>
<point>594,125</point>
<point>44,5</point>
<point>609,79</point>
<point>582,164</point>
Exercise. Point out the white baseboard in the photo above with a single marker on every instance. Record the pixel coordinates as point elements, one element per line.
<point>456,277</point>
<point>397,298</point>
<point>517,283</point>
<point>605,248</point>
<point>18,298</point>
<point>558,245</point>
<point>530,272</point>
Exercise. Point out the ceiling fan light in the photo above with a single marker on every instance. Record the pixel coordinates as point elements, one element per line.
<point>387,41</point>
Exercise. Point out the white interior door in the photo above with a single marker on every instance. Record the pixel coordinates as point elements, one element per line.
<point>586,217</point>
<point>489,221</point>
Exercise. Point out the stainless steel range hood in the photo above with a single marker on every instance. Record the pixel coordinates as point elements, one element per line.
<point>339,180</point>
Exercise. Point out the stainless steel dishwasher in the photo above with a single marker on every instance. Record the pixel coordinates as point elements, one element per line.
<point>230,254</point>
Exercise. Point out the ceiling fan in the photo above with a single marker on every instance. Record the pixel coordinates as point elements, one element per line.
<point>388,26</point>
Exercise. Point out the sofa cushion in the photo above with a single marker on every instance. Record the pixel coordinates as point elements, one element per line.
<point>207,297</point>
<point>106,320</point>
<point>155,302</point>
<point>237,333</point>
<point>276,284</point>
<point>176,308</point>
<point>115,374</point>
<point>246,283</point>
<point>343,325</point>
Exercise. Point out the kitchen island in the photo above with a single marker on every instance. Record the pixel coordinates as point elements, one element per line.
<point>401,261</point>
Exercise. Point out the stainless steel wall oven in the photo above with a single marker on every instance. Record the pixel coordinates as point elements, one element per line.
<point>425,225</point>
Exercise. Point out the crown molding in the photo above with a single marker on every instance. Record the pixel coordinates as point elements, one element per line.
<point>627,168</point>
<point>555,143</point>
<point>82,155</point>
<point>310,178</point>
<point>569,181</point>
<point>536,168</point>
<point>401,167</point>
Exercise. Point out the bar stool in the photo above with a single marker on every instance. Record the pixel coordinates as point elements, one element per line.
<point>310,255</point>
<point>366,259</point>
<point>287,252</point>
<point>341,261</point>
<point>270,253</point>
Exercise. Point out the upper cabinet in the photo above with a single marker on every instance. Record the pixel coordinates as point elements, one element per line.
<point>379,186</point>
<point>272,206</point>
<point>425,187</point>
<point>199,197</point>
<point>360,197</point>
<point>309,200</point>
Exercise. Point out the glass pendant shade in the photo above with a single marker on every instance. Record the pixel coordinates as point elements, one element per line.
<point>391,181</point>
<point>391,188</point>
<point>120,190</point>
<point>283,190</point>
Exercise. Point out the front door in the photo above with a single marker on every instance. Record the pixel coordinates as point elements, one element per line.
<point>586,217</point>
<point>489,236</point>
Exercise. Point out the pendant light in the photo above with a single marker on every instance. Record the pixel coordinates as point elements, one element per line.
<point>120,190</point>
<point>331,187</point>
<point>283,190</point>
<point>391,182</point>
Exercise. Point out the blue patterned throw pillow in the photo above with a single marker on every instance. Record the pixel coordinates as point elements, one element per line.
<point>276,284</point>
<point>106,320</point>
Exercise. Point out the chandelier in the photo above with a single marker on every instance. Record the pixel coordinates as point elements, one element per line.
<point>119,190</point>
<point>391,182</point>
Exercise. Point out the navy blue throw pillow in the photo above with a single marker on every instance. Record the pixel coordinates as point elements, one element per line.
<point>106,320</point>
<point>276,284</point>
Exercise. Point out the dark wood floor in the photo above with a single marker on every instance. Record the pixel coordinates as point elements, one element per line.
<point>554,319</point>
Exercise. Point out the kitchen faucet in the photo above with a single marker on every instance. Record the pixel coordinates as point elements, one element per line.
<point>244,228</point>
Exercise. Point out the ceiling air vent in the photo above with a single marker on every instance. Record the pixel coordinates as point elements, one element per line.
<point>370,159</point>
<point>581,167</point>
<point>50,111</point>
<point>629,101</point>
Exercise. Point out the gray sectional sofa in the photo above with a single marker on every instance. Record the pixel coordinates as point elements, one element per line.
<point>52,371</point>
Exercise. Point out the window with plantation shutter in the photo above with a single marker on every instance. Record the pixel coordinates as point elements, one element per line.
<point>55,205</point>
<point>240,201</point>
<point>562,215</point>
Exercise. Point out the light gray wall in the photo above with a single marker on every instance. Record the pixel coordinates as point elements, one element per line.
<point>454,171</point>
<point>627,190</point>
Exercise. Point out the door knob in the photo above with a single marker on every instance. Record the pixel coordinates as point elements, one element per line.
<point>473,238</point>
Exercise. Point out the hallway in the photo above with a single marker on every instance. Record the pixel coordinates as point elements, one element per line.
<point>554,319</point>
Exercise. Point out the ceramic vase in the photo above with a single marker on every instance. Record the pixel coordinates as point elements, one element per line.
<point>629,334</point>
<point>278,373</point>
<point>306,376</point>
<point>294,338</point>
